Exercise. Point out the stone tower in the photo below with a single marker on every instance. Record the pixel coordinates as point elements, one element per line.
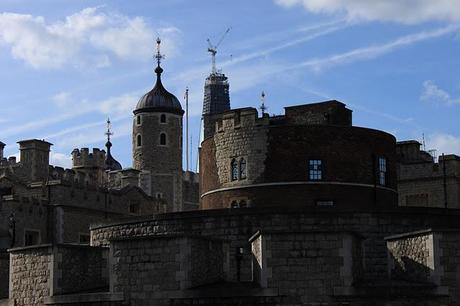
<point>35,157</point>
<point>157,141</point>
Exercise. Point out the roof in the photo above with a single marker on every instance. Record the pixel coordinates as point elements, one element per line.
<point>159,99</point>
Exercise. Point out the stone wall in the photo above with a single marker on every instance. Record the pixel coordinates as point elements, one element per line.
<point>412,256</point>
<point>238,225</point>
<point>155,268</point>
<point>30,275</point>
<point>308,265</point>
<point>80,268</point>
<point>42,271</point>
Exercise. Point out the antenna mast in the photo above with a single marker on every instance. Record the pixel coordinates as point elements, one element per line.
<point>213,50</point>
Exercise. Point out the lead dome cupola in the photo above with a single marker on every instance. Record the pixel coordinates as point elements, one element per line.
<point>159,99</point>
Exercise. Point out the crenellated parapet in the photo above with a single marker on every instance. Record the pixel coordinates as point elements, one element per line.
<point>82,158</point>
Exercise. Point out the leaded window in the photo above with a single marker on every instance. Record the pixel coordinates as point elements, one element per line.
<point>382,171</point>
<point>315,169</point>
<point>242,169</point>
<point>234,170</point>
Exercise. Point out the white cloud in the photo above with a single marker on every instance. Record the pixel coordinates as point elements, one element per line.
<point>88,38</point>
<point>445,143</point>
<point>401,11</point>
<point>432,93</point>
<point>374,51</point>
<point>60,159</point>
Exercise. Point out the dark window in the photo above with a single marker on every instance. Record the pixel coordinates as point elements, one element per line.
<point>163,139</point>
<point>139,140</point>
<point>242,168</point>
<point>84,239</point>
<point>234,204</point>
<point>31,237</point>
<point>138,119</point>
<point>163,118</point>
<point>382,170</point>
<point>134,208</point>
<point>234,170</point>
<point>315,169</point>
<point>243,204</point>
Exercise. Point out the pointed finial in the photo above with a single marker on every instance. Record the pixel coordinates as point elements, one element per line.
<point>263,108</point>
<point>109,128</point>
<point>158,56</point>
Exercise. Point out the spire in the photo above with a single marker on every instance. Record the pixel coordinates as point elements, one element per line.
<point>110,162</point>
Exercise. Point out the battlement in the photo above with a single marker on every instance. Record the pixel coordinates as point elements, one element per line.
<point>323,113</point>
<point>10,161</point>
<point>82,158</point>
<point>240,118</point>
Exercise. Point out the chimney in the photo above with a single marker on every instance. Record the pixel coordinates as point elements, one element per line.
<point>35,156</point>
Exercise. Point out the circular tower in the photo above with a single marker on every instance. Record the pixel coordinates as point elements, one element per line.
<point>157,142</point>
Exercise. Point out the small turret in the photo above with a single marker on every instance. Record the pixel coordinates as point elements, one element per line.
<point>35,156</point>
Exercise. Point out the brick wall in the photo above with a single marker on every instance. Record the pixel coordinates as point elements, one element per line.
<point>277,164</point>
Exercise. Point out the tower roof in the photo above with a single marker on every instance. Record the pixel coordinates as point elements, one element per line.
<point>159,99</point>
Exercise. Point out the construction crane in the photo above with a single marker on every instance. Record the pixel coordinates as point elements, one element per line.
<point>213,50</point>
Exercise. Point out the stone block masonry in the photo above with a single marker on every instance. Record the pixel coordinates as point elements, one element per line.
<point>156,268</point>
<point>38,272</point>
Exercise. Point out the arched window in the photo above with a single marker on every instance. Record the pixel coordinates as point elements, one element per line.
<point>163,118</point>
<point>138,120</point>
<point>234,170</point>
<point>242,168</point>
<point>139,140</point>
<point>234,204</point>
<point>163,139</point>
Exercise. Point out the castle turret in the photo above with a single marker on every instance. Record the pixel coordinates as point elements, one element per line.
<point>35,157</point>
<point>157,141</point>
<point>92,164</point>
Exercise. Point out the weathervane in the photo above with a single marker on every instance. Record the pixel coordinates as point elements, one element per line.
<point>159,56</point>
<point>109,132</point>
<point>263,108</point>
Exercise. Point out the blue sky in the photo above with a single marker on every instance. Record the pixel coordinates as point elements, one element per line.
<point>68,65</point>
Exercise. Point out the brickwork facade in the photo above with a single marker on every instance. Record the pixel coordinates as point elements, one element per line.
<point>277,152</point>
